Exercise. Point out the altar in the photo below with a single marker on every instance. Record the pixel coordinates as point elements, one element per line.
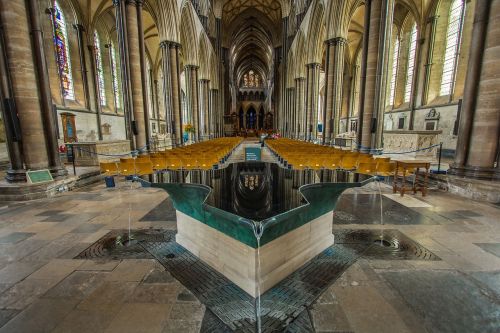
<point>412,141</point>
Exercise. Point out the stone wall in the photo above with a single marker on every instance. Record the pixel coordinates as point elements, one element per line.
<point>448,116</point>
<point>86,126</point>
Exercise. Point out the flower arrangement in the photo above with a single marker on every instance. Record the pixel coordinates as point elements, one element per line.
<point>188,128</point>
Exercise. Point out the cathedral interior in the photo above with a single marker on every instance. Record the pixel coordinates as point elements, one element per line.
<point>249,166</point>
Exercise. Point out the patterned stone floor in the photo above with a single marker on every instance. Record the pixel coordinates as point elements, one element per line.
<point>42,289</point>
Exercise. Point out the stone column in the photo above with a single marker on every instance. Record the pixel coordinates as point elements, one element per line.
<point>9,115</point>
<point>300,108</point>
<point>95,84</point>
<point>334,84</point>
<point>312,101</point>
<point>83,63</point>
<point>291,116</point>
<point>286,116</point>
<point>204,108</point>
<point>432,24</point>
<point>192,98</point>
<point>284,95</point>
<point>379,28</point>
<point>142,62</point>
<point>172,92</point>
<point>120,12</point>
<point>155,112</point>
<point>167,89</point>
<point>25,91</point>
<point>46,106</point>
<point>214,120</point>
<point>479,127</point>
<point>353,98</point>
<point>364,61</point>
<point>136,78</point>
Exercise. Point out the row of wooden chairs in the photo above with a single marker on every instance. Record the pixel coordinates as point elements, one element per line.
<point>302,155</point>
<point>204,156</point>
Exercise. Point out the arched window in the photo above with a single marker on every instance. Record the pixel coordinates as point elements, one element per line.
<point>62,52</point>
<point>251,80</point>
<point>395,62</point>
<point>99,68</point>
<point>452,46</point>
<point>114,73</point>
<point>411,63</point>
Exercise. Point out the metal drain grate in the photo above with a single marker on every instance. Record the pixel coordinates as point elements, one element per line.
<point>281,305</point>
<point>116,244</point>
<point>285,306</point>
<point>384,244</point>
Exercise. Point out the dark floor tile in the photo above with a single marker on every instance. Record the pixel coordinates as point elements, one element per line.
<point>57,218</point>
<point>6,315</point>
<point>493,248</point>
<point>490,279</point>
<point>155,293</point>
<point>468,213</point>
<point>87,228</point>
<point>365,209</point>
<point>15,237</point>
<point>158,275</point>
<point>164,211</point>
<point>78,285</point>
<point>42,316</point>
<point>447,301</point>
<point>186,296</point>
<point>74,251</point>
<point>50,213</point>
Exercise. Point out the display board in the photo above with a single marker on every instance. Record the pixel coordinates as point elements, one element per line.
<point>252,154</point>
<point>39,176</point>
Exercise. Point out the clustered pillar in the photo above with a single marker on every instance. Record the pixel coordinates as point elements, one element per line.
<point>192,99</point>
<point>479,127</point>
<point>312,97</point>
<point>300,114</point>
<point>214,113</point>
<point>204,108</point>
<point>132,56</point>
<point>378,15</point>
<point>334,84</point>
<point>172,91</point>
<point>28,114</point>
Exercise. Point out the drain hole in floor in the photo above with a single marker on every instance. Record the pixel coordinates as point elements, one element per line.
<point>170,256</point>
<point>383,242</point>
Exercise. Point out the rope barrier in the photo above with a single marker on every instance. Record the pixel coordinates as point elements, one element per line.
<point>132,153</point>
<point>413,151</point>
<point>403,152</point>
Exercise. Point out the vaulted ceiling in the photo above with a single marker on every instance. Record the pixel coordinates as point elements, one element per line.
<point>232,8</point>
<point>252,31</point>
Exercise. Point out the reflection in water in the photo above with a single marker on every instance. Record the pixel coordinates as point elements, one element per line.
<point>257,190</point>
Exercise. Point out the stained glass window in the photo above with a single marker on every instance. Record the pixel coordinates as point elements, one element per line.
<point>114,73</point>
<point>62,52</point>
<point>99,68</point>
<point>411,63</point>
<point>395,61</point>
<point>452,44</point>
<point>251,80</point>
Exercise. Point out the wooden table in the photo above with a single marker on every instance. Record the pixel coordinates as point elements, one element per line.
<point>406,168</point>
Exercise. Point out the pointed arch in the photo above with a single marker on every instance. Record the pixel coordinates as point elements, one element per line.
<point>204,57</point>
<point>316,33</point>
<point>189,37</point>
<point>300,58</point>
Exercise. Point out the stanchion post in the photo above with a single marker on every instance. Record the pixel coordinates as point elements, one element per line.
<point>439,160</point>
<point>73,153</point>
